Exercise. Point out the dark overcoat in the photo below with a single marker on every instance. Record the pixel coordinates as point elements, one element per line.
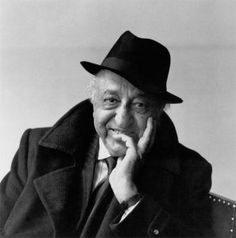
<point>47,190</point>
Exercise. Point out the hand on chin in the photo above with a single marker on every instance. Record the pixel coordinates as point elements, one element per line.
<point>117,149</point>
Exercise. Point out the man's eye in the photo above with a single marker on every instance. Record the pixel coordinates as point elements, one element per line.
<point>141,107</point>
<point>110,101</point>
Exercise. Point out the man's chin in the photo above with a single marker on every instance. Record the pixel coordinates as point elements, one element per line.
<point>117,151</point>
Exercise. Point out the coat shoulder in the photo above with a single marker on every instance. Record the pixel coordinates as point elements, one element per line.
<point>32,136</point>
<point>189,156</point>
<point>37,133</point>
<point>28,148</point>
<point>194,168</point>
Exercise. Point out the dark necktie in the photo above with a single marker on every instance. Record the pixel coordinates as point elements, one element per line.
<point>111,163</point>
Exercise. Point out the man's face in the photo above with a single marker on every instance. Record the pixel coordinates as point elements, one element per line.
<point>119,107</point>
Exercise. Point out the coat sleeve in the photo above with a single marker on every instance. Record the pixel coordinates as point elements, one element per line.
<point>190,219</point>
<point>13,183</point>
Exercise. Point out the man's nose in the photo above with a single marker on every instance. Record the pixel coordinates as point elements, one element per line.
<point>124,117</point>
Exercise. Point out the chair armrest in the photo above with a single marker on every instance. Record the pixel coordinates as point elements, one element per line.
<point>223,216</point>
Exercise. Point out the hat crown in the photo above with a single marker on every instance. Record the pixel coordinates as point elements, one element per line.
<point>150,58</point>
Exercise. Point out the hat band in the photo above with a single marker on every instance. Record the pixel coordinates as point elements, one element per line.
<point>120,65</point>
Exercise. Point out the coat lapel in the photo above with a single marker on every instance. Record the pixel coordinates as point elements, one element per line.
<point>87,173</point>
<point>61,198</point>
<point>65,192</point>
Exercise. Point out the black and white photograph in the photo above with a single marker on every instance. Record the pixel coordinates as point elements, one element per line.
<point>117,118</point>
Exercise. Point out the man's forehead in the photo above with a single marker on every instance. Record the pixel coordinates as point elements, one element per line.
<point>112,82</point>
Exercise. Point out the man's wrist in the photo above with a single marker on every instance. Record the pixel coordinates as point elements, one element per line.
<point>131,201</point>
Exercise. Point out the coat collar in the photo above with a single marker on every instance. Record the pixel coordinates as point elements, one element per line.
<point>75,131</point>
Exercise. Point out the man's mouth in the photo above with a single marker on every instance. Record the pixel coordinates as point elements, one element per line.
<point>117,131</point>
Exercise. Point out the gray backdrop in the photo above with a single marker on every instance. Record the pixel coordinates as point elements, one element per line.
<point>43,41</point>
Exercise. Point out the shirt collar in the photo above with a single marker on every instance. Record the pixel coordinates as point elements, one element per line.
<point>103,152</point>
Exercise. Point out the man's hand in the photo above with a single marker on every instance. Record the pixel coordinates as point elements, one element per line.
<point>121,178</point>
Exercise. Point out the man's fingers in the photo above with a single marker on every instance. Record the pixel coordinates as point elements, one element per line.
<point>126,139</point>
<point>153,134</point>
<point>132,150</point>
<point>146,138</point>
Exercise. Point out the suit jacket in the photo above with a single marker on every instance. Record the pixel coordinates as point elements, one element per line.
<point>47,190</point>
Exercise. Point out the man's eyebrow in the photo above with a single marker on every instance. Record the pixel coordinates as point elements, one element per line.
<point>148,96</point>
<point>141,94</point>
<point>110,91</point>
<point>138,95</point>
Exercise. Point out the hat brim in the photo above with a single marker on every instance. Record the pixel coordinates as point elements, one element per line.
<point>95,68</point>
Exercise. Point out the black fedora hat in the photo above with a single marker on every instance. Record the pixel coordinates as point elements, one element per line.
<point>143,62</point>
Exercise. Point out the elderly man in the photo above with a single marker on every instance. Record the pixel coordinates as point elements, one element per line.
<point>112,166</point>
